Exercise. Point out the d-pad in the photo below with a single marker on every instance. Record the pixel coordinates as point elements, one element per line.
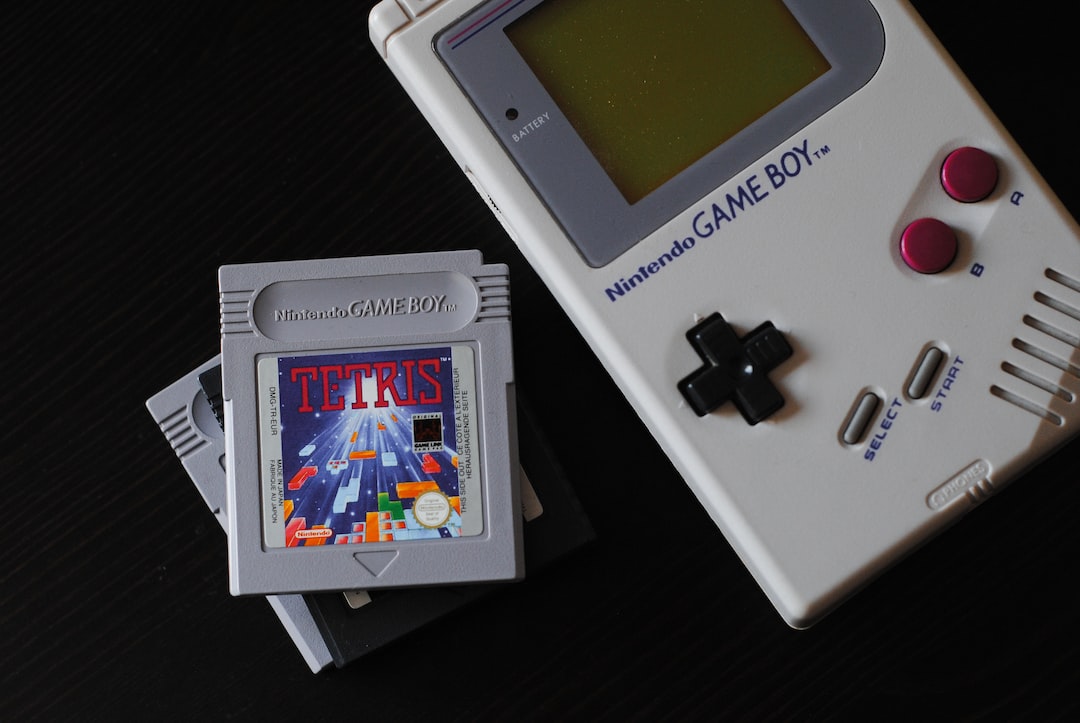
<point>735,368</point>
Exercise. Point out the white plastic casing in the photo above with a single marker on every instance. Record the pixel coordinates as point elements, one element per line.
<point>813,517</point>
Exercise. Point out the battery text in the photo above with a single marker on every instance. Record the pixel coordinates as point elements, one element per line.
<point>530,127</point>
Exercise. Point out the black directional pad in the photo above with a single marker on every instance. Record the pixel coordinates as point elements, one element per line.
<point>735,368</point>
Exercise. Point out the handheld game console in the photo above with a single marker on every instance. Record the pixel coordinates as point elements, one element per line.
<point>828,280</point>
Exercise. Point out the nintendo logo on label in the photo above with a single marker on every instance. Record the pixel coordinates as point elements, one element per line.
<point>314,532</point>
<point>973,480</point>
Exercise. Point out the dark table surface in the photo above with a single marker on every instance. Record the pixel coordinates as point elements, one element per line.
<point>142,145</point>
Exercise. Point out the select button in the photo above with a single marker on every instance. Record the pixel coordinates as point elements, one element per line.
<point>860,418</point>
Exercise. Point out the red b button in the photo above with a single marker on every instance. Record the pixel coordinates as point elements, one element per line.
<point>928,245</point>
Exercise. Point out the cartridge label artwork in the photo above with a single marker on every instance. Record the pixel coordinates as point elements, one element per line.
<point>369,446</point>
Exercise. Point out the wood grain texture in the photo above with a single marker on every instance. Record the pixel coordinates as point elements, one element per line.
<point>144,145</point>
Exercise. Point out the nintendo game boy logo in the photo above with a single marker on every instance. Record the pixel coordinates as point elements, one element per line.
<point>357,307</point>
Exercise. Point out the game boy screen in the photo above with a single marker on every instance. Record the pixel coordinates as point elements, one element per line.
<point>651,87</point>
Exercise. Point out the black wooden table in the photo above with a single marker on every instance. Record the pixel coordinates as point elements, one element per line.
<point>142,145</point>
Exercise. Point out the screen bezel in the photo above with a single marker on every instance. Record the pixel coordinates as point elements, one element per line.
<point>566,175</point>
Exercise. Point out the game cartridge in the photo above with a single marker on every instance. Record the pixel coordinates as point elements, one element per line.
<point>370,423</point>
<point>334,628</point>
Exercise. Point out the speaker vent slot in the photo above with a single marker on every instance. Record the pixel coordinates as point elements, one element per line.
<point>1063,279</point>
<point>1056,305</point>
<point>1054,331</point>
<point>1035,380</point>
<point>1044,356</point>
<point>1027,405</point>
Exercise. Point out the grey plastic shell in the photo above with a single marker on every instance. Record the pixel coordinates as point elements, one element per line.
<point>184,415</point>
<point>480,319</point>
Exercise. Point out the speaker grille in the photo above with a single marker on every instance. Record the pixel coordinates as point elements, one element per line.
<point>1053,323</point>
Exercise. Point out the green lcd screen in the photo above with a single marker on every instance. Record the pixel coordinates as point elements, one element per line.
<point>651,86</point>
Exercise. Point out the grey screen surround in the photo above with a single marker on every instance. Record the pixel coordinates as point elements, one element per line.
<point>563,171</point>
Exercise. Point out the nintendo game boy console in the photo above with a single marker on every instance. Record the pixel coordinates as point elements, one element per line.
<point>830,283</point>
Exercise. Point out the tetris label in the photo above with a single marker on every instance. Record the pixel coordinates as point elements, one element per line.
<point>361,446</point>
